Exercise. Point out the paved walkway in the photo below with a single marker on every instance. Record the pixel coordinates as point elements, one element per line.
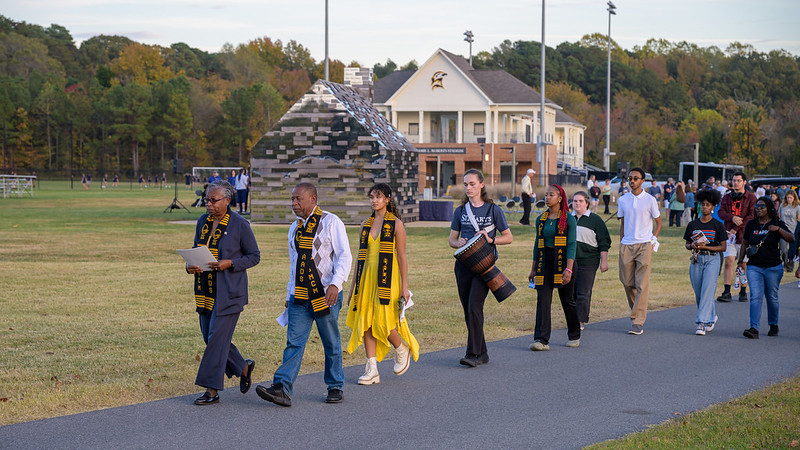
<point>614,384</point>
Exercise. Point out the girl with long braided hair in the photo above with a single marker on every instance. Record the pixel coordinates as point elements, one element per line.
<point>380,289</point>
<point>553,263</point>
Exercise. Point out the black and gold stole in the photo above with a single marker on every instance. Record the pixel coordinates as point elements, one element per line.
<point>385,258</point>
<point>205,283</point>
<point>561,253</point>
<point>307,282</point>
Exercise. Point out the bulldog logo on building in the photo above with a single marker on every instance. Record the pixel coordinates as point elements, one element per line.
<point>437,80</point>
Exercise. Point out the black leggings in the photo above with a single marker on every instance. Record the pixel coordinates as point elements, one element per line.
<point>544,300</point>
<point>472,291</point>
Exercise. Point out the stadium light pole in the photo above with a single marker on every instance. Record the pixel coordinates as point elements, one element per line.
<point>327,71</point>
<point>539,146</point>
<point>607,151</point>
<point>468,36</point>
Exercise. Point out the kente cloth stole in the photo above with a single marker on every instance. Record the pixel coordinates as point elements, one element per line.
<point>205,283</point>
<point>307,282</point>
<point>385,259</point>
<point>561,253</point>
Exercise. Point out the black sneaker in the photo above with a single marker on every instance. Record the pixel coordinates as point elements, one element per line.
<point>751,333</point>
<point>274,394</point>
<point>724,297</point>
<point>773,330</point>
<point>484,358</point>
<point>471,360</point>
<point>334,396</point>
<point>743,296</point>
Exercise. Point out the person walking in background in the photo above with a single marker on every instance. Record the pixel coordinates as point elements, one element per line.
<point>527,192</point>
<point>676,205</point>
<point>655,191</point>
<point>214,177</point>
<point>763,265</point>
<point>232,181</point>
<point>790,214</point>
<point>221,293</point>
<point>476,215</point>
<point>669,191</point>
<point>375,302</point>
<point>736,209</point>
<point>552,268</point>
<point>638,211</point>
<point>689,213</point>
<point>606,195</point>
<point>115,182</point>
<point>319,255</point>
<point>705,237</point>
<point>592,181</point>
<point>594,197</point>
<point>83,181</point>
<point>241,191</point>
<point>141,181</point>
<point>591,252</point>
<point>623,189</point>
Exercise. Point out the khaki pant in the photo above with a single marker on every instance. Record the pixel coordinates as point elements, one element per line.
<point>634,273</point>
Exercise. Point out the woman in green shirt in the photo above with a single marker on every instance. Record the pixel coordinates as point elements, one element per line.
<point>553,261</point>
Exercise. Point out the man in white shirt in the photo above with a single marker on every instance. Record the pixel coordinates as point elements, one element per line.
<point>319,252</point>
<point>527,191</point>
<point>638,210</point>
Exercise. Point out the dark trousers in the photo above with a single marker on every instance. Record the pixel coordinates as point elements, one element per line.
<point>220,357</point>
<point>675,214</point>
<point>526,206</point>
<point>606,199</point>
<point>472,291</point>
<point>544,301</point>
<point>584,282</point>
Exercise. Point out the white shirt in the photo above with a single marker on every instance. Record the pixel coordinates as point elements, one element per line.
<point>241,182</point>
<point>331,253</point>
<point>638,212</point>
<point>526,185</point>
<point>589,184</point>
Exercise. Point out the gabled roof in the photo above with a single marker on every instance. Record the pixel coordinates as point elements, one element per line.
<point>499,86</point>
<point>388,85</point>
<point>562,117</point>
<point>361,109</point>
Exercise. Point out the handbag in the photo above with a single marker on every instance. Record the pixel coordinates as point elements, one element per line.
<point>751,251</point>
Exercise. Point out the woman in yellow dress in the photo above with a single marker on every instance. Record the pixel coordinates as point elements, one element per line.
<point>380,289</point>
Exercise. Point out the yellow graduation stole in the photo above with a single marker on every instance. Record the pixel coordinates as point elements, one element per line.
<point>205,283</point>
<point>561,252</point>
<point>307,282</point>
<point>385,258</point>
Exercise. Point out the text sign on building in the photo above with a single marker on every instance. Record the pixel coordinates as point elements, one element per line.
<point>443,150</point>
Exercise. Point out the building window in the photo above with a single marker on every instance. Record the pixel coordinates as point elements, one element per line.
<point>581,140</point>
<point>413,128</point>
<point>478,129</point>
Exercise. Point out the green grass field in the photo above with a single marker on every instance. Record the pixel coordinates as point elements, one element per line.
<point>98,311</point>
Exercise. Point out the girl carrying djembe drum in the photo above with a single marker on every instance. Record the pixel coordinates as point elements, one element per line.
<point>477,214</point>
<point>375,299</point>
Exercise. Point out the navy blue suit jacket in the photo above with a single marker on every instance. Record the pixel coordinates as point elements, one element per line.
<point>239,245</point>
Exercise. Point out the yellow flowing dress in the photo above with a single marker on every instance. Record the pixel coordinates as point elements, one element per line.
<point>370,313</point>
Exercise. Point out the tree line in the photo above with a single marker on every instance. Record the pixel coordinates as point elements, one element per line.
<point>118,106</point>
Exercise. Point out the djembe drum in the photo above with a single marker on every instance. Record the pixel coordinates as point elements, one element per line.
<point>478,256</point>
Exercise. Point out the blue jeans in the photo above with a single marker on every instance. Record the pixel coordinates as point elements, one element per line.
<point>703,275</point>
<point>300,319</point>
<point>764,282</point>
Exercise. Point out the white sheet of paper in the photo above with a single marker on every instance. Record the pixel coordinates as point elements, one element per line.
<point>198,256</point>
<point>409,303</point>
<point>283,319</point>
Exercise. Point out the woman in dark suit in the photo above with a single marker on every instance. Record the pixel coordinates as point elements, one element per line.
<point>221,293</point>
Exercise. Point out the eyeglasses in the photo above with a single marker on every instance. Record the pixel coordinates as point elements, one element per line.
<point>759,206</point>
<point>214,201</point>
<point>635,178</point>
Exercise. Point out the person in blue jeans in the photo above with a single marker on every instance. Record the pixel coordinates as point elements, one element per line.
<point>764,266</point>
<point>319,252</point>
<point>706,238</point>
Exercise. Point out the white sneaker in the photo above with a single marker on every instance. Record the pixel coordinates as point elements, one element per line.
<point>573,343</point>
<point>713,324</point>
<point>539,346</point>
<point>701,330</point>
<point>402,359</point>
<point>371,375</point>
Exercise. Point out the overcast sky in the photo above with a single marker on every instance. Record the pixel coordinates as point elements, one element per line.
<point>372,31</point>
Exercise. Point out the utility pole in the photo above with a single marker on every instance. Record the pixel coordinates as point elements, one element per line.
<point>469,38</point>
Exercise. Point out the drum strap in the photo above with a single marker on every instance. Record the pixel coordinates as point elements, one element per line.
<point>474,222</point>
<point>307,283</point>
<point>385,258</point>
